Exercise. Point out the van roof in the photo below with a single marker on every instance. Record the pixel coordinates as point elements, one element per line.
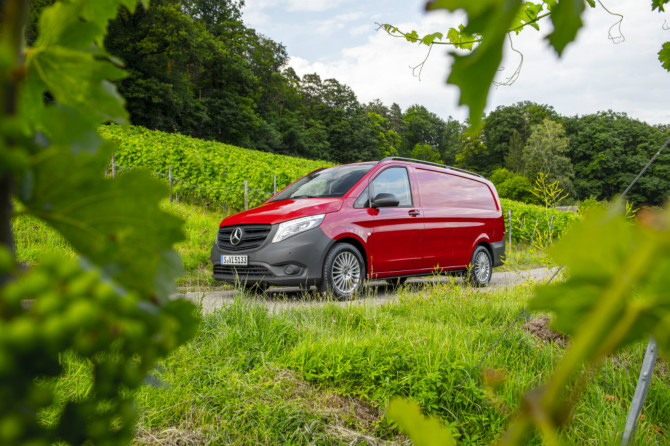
<point>444,166</point>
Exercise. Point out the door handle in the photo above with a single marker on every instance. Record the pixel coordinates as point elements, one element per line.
<point>413,213</point>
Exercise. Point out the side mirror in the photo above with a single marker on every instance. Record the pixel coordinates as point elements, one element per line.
<point>385,201</point>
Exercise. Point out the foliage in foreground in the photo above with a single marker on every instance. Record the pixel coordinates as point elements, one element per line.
<point>109,309</point>
<point>36,241</point>
<point>321,373</point>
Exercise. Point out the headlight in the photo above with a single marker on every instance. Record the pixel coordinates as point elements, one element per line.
<point>293,227</point>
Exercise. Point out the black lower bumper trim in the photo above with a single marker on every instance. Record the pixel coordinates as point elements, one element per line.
<point>498,252</point>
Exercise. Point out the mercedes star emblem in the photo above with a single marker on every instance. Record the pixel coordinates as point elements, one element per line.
<point>236,236</point>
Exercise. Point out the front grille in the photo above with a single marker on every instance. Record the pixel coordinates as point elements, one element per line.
<point>239,270</point>
<point>253,236</point>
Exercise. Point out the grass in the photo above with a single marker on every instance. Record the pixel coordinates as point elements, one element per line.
<point>523,256</point>
<point>322,374</point>
<point>35,239</point>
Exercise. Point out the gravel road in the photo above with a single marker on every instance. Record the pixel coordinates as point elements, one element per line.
<point>376,292</point>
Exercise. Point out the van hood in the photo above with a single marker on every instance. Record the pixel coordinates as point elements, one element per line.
<point>274,212</point>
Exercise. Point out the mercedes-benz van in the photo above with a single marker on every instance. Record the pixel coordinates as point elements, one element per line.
<point>391,219</point>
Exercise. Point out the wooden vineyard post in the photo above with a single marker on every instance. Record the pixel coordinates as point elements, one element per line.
<point>246,195</point>
<point>170,181</point>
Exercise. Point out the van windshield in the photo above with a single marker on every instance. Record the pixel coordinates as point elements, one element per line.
<point>332,182</point>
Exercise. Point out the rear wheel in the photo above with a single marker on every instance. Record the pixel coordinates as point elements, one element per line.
<point>343,271</point>
<point>481,267</point>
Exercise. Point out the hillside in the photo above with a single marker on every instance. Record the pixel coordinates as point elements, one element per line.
<point>207,171</point>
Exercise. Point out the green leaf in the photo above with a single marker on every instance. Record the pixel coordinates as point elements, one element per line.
<point>66,63</point>
<point>566,17</point>
<point>422,430</point>
<point>68,129</point>
<point>616,291</point>
<point>527,14</point>
<point>412,36</point>
<point>79,80</point>
<point>430,38</point>
<point>117,224</point>
<point>664,56</point>
<point>658,4</point>
<point>459,39</point>
<point>60,25</point>
<point>101,11</point>
<point>474,73</point>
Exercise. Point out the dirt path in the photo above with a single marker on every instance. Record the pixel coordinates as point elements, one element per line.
<point>376,292</point>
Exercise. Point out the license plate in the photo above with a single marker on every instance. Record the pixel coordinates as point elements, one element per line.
<point>234,260</point>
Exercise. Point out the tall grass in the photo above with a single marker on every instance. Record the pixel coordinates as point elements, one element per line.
<point>35,239</point>
<point>261,373</point>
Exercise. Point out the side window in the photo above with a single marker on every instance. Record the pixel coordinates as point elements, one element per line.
<point>363,200</point>
<point>394,180</point>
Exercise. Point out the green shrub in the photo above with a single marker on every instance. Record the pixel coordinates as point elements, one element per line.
<point>532,223</point>
<point>513,186</point>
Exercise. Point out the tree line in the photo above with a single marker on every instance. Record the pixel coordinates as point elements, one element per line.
<point>195,68</point>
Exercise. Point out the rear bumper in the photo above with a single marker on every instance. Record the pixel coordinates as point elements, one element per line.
<point>295,261</point>
<point>498,249</point>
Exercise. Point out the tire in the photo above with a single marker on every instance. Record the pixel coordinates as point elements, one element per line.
<point>481,267</point>
<point>396,282</point>
<point>343,272</point>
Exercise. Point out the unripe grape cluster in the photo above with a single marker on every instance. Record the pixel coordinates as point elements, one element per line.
<point>60,309</point>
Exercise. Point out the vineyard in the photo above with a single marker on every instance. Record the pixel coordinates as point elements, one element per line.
<point>212,172</point>
<point>207,171</point>
<point>536,225</point>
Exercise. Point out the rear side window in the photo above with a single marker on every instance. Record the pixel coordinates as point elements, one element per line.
<point>440,189</point>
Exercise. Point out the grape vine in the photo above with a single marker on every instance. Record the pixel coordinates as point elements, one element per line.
<point>109,310</point>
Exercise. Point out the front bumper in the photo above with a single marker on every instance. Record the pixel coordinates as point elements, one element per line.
<point>298,260</point>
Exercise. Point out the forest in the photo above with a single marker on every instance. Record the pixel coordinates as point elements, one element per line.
<point>196,69</point>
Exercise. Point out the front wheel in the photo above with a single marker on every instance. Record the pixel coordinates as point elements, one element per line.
<point>481,267</point>
<point>343,271</point>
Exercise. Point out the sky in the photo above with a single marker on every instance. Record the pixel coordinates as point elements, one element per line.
<point>340,39</point>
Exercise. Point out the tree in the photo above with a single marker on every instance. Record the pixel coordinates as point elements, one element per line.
<point>450,140</point>
<point>387,140</point>
<point>513,186</point>
<point>508,122</point>
<point>545,152</point>
<point>396,120</point>
<point>514,158</point>
<point>473,155</point>
<point>425,152</point>
<point>378,107</point>
<point>421,127</point>
<point>607,149</point>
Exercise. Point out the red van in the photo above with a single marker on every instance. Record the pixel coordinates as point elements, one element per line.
<point>391,219</point>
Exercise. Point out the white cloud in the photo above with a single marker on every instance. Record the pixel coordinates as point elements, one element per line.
<point>592,75</point>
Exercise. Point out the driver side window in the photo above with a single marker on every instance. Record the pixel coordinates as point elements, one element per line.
<point>393,180</point>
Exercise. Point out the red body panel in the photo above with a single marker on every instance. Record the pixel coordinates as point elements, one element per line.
<point>273,212</point>
<point>440,230</point>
